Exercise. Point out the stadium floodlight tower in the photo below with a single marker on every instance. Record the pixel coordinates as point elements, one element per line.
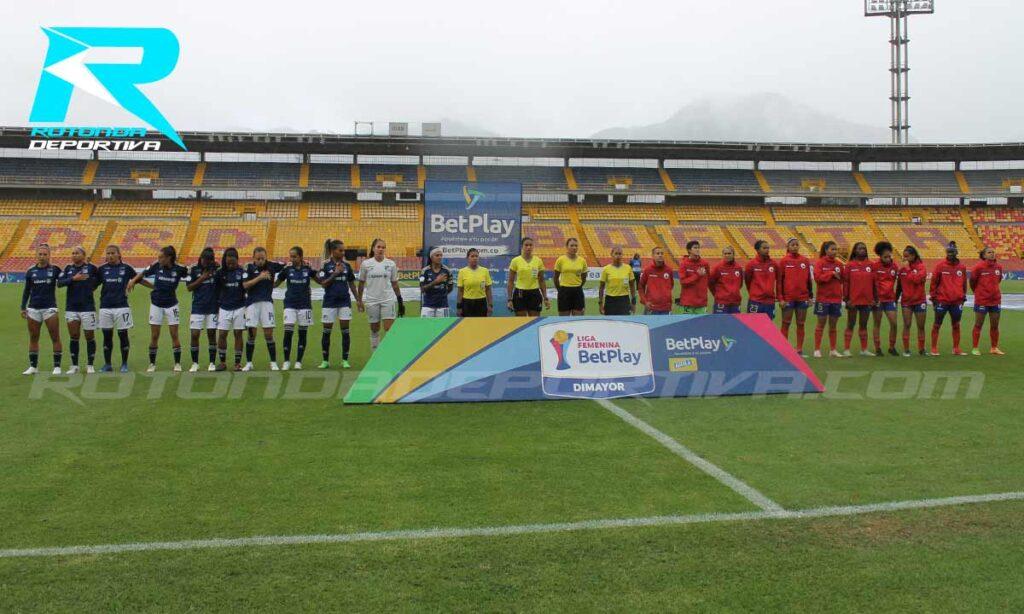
<point>899,12</point>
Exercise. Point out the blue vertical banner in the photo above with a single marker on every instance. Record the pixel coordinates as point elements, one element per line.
<point>458,215</point>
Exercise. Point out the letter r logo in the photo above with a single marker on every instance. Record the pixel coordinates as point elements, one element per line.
<point>65,68</point>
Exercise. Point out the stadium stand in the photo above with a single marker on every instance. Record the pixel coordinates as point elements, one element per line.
<point>534,178</point>
<point>35,208</point>
<point>446,172</point>
<point>844,236</point>
<point>139,208</point>
<point>141,241</point>
<point>59,235</point>
<point>41,171</point>
<point>744,238</point>
<point>913,183</point>
<point>812,182</point>
<point>599,179</point>
<point>647,213</point>
<point>330,176</point>
<point>632,238</point>
<point>723,181</point>
<point>994,182</point>
<point>997,215</point>
<point>330,210</point>
<point>718,213</point>
<point>712,239</point>
<point>157,174</point>
<point>405,176</point>
<point>799,213</point>
<point>220,235</point>
<point>399,211</point>
<point>547,212</point>
<point>930,240</point>
<point>1008,241</point>
<point>251,175</point>
<point>549,239</point>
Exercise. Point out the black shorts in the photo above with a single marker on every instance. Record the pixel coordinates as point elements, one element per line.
<point>526,300</point>
<point>571,298</point>
<point>617,306</point>
<point>474,308</point>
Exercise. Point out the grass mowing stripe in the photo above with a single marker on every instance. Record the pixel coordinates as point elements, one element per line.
<point>739,486</point>
<point>508,530</point>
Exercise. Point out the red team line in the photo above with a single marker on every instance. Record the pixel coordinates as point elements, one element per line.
<point>872,290</point>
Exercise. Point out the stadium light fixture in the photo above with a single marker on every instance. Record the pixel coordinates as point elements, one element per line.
<point>898,12</point>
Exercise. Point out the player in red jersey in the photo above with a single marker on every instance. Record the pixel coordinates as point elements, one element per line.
<point>886,276</point>
<point>829,273</point>
<point>725,282</point>
<point>948,292</point>
<point>656,283</point>
<point>985,279</point>
<point>762,278</point>
<point>795,272</point>
<point>861,295</point>
<point>693,278</point>
<point>910,292</point>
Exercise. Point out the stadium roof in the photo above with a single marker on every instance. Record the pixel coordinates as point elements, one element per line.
<point>320,143</point>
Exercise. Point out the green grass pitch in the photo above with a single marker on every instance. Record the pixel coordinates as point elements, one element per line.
<point>234,461</point>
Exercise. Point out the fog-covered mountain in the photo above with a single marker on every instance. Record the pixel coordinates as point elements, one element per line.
<point>757,117</point>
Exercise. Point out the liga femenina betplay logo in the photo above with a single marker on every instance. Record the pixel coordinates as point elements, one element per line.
<point>595,359</point>
<point>68,67</point>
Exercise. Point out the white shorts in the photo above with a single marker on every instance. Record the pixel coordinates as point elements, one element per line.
<point>118,317</point>
<point>302,317</point>
<point>260,315</point>
<point>329,314</point>
<point>433,312</point>
<point>202,321</point>
<point>40,315</point>
<point>381,311</point>
<point>87,318</point>
<point>231,319</point>
<point>157,315</point>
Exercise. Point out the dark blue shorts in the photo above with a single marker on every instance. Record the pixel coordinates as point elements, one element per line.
<point>860,308</point>
<point>885,306</point>
<point>766,308</point>
<point>918,308</point>
<point>828,309</point>
<point>720,308</point>
<point>650,312</point>
<point>989,309</point>
<point>955,311</point>
<point>796,304</point>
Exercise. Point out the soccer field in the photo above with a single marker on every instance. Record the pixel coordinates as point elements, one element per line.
<point>894,490</point>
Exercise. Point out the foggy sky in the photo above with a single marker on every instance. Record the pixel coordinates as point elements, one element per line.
<point>539,68</point>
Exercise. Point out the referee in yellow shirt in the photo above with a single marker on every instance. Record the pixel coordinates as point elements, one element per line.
<point>527,289</point>
<point>616,292</point>
<point>474,282</point>
<point>570,274</point>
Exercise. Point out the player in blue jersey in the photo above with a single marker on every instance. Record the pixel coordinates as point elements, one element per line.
<point>259,305</point>
<point>114,277</point>
<point>166,274</point>
<point>231,307</point>
<point>298,305</point>
<point>203,316</point>
<point>39,306</point>
<point>336,276</point>
<point>436,284</point>
<point>80,278</point>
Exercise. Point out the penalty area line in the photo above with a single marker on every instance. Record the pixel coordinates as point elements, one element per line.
<point>508,530</point>
<point>740,487</point>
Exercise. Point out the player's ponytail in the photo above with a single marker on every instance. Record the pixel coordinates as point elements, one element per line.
<point>170,252</point>
<point>329,246</point>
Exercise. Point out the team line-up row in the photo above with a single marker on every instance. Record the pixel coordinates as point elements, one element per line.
<point>232,298</point>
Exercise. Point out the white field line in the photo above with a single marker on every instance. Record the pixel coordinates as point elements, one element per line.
<point>745,490</point>
<point>499,531</point>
